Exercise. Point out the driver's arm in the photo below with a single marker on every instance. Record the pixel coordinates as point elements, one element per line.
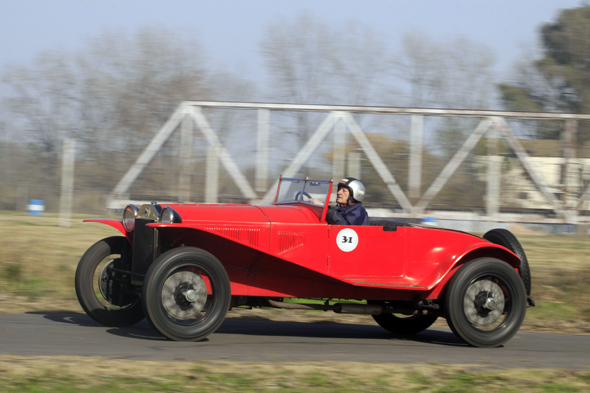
<point>316,201</point>
<point>334,217</point>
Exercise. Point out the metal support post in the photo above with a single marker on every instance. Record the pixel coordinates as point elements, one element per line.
<point>494,175</point>
<point>22,195</point>
<point>186,156</point>
<point>67,183</point>
<point>415,170</point>
<point>568,174</point>
<point>212,174</point>
<point>354,165</point>
<point>338,154</point>
<point>261,182</point>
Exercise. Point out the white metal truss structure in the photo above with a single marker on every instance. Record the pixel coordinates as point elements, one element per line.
<point>339,120</point>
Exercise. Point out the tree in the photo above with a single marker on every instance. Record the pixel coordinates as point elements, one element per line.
<point>449,74</point>
<point>138,81</point>
<point>311,63</point>
<point>559,81</point>
<point>113,96</point>
<point>43,101</point>
<point>456,74</point>
<point>109,94</point>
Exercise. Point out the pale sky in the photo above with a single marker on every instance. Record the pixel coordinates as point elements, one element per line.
<point>230,31</point>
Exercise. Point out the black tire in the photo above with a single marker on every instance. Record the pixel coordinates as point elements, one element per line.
<point>107,297</point>
<point>177,276</point>
<point>485,302</point>
<point>405,325</point>
<point>505,238</point>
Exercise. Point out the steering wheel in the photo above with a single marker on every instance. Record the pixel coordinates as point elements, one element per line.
<point>299,193</point>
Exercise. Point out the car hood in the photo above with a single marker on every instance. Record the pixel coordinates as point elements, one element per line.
<point>248,214</point>
<point>243,214</point>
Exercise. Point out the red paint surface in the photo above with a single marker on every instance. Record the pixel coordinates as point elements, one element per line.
<point>289,251</point>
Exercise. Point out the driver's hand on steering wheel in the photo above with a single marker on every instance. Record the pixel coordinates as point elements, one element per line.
<point>316,201</point>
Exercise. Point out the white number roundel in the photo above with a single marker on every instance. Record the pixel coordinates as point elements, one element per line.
<point>347,239</point>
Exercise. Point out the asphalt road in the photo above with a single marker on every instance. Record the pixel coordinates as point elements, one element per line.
<point>262,340</point>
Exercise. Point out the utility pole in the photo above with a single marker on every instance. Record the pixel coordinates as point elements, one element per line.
<point>67,183</point>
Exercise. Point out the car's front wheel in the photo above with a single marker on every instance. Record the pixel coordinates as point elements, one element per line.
<point>485,302</point>
<point>186,294</point>
<point>103,289</point>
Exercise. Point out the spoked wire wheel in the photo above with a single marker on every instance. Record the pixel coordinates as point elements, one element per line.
<point>186,294</point>
<point>485,302</point>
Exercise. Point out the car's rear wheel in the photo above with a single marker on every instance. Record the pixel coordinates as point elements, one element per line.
<point>485,302</point>
<point>505,238</point>
<point>186,294</point>
<point>404,324</point>
<point>104,292</point>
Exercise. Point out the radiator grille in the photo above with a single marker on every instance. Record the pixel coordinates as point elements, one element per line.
<point>144,239</point>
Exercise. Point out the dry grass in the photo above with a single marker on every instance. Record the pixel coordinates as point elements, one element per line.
<point>560,267</point>
<point>39,260</point>
<point>99,374</point>
<point>548,253</point>
<point>39,257</point>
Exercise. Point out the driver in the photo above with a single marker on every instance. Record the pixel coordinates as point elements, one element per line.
<point>349,209</point>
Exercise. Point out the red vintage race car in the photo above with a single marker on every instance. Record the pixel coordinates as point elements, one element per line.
<point>183,266</point>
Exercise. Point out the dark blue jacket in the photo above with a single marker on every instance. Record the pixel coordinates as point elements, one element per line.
<point>348,215</point>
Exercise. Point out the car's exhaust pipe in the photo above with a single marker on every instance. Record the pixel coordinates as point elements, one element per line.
<point>351,308</point>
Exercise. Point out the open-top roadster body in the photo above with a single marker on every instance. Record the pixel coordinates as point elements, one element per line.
<point>183,266</point>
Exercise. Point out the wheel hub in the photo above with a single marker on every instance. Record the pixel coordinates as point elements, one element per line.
<point>484,303</point>
<point>190,295</point>
<point>184,294</point>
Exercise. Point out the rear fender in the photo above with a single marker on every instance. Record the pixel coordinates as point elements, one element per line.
<point>474,252</point>
<point>117,224</point>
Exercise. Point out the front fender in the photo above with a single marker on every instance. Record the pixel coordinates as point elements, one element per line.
<point>472,252</point>
<point>488,250</point>
<point>117,224</point>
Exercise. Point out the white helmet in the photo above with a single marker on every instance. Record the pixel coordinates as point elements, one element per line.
<point>355,187</point>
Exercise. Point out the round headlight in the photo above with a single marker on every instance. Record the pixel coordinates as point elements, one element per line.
<point>169,216</point>
<point>129,217</point>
